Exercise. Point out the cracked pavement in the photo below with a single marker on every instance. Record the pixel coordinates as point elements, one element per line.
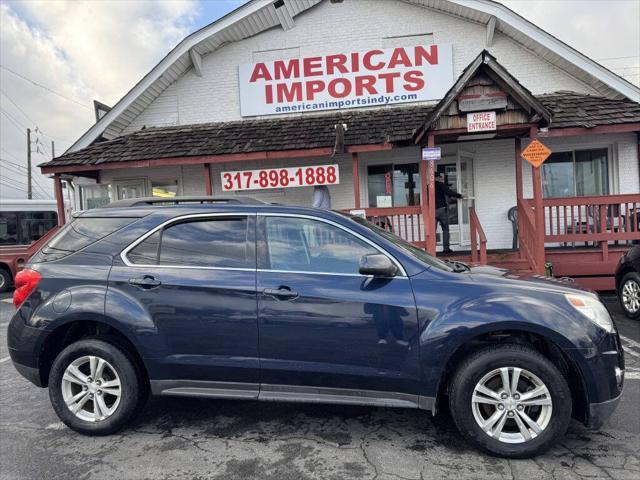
<point>217,439</point>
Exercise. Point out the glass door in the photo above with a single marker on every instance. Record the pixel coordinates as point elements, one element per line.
<point>466,188</point>
<point>448,168</point>
<point>131,189</point>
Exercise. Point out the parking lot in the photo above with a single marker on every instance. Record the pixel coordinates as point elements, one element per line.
<point>197,439</point>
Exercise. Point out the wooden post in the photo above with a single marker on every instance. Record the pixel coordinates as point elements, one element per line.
<point>432,198</point>
<point>57,185</point>
<point>355,167</point>
<point>208,186</point>
<point>539,254</point>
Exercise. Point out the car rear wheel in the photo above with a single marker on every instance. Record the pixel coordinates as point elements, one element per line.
<point>510,401</point>
<point>94,387</point>
<point>5,280</point>
<point>629,295</point>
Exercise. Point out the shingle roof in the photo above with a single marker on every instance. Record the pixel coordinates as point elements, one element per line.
<point>364,127</point>
<point>570,109</point>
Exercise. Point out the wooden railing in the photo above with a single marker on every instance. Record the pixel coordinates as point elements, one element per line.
<point>596,219</point>
<point>406,222</point>
<point>477,234</point>
<point>527,236</point>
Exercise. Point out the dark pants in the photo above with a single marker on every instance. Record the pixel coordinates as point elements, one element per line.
<point>442,217</point>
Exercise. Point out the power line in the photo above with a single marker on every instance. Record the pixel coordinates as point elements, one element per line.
<point>17,106</point>
<point>22,171</point>
<point>13,122</point>
<point>77,102</point>
<point>43,191</point>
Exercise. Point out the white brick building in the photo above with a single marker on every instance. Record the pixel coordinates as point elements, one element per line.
<point>592,127</point>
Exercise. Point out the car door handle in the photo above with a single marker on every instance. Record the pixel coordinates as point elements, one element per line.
<point>147,282</point>
<point>280,292</point>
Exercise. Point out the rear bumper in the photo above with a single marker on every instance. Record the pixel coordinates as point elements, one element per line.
<point>599,413</point>
<point>30,373</point>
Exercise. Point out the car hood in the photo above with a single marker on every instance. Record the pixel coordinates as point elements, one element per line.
<point>524,280</point>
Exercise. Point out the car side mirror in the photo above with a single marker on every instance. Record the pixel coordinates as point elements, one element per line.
<point>378,265</point>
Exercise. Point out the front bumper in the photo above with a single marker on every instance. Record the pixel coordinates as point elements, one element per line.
<point>599,413</point>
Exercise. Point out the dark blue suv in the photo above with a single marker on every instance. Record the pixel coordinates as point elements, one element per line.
<point>241,299</point>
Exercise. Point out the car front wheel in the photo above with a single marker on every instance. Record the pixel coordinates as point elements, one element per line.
<point>629,295</point>
<point>94,387</point>
<point>510,401</point>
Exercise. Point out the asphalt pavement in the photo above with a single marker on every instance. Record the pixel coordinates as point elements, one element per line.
<point>217,439</point>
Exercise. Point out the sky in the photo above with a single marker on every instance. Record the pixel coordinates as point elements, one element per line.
<point>57,56</point>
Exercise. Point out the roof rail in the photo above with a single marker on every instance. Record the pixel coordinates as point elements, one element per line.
<point>165,201</point>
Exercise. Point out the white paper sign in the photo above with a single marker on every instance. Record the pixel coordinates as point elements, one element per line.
<point>481,121</point>
<point>346,80</point>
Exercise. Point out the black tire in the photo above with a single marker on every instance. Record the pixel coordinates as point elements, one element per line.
<point>5,280</point>
<point>479,364</point>
<point>631,277</point>
<point>131,399</point>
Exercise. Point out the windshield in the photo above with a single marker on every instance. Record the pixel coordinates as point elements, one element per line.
<point>412,250</point>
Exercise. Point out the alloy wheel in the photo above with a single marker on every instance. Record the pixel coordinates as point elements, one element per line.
<point>91,388</point>
<point>512,405</point>
<point>631,296</point>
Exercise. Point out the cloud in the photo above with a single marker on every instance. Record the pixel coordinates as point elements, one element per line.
<point>82,50</point>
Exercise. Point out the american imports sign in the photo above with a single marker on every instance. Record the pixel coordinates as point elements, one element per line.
<point>346,80</point>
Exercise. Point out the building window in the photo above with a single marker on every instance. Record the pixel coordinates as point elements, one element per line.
<point>164,188</point>
<point>94,196</point>
<point>577,173</point>
<point>393,185</point>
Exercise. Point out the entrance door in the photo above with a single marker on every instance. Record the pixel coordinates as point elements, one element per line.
<point>324,328</point>
<point>465,187</point>
<point>131,189</point>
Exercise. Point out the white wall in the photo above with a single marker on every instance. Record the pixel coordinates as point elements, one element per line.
<point>335,28</point>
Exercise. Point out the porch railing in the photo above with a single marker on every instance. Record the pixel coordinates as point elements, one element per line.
<point>477,234</point>
<point>594,219</point>
<point>406,222</point>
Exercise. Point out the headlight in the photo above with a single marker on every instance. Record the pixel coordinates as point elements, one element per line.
<point>591,308</point>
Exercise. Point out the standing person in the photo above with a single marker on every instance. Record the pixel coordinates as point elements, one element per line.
<point>321,197</point>
<point>442,194</point>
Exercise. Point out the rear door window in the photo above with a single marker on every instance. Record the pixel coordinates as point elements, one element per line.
<point>217,242</point>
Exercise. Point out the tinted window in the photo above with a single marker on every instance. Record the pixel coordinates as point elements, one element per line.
<point>298,244</point>
<point>24,228</point>
<point>223,242</point>
<point>8,228</point>
<point>78,234</point>
<point>146,253</point>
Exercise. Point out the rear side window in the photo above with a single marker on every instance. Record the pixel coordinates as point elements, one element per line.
<point>78,234</point>
<point>222,243</point>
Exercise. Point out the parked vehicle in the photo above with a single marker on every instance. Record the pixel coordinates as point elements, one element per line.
<point>240,299</point>
<point>628,282</point>
<point>22,224</point>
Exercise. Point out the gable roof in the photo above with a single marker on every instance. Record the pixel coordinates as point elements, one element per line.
<point>488,64</point>
<point>256,16</point>
<point>394,125</point>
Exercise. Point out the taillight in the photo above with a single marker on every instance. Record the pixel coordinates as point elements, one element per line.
<point>26,280</point>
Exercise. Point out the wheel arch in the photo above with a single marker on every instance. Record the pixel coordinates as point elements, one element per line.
<point>71,331</point>
<point>542,344</point>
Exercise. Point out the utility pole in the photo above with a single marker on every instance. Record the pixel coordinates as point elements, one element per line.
<point>29,186</point>
<point>53,149</point>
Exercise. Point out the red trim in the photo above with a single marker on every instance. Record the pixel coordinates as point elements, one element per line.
<point>208,186</point>
<point>572,132</point>
<point>355,171</point>
<point>227,158</point>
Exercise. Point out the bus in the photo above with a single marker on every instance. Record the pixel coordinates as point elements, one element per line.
<point>24,224</point>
